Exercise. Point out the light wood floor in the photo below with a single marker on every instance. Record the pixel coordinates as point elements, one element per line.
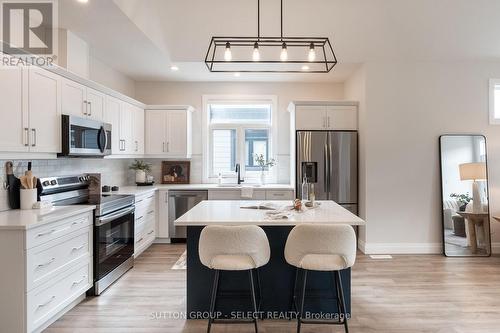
<point>408,294</point>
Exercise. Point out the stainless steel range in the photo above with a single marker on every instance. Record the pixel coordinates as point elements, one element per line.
<point>113,225</point>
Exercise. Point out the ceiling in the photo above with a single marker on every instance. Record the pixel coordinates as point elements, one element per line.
<point>143,38</point>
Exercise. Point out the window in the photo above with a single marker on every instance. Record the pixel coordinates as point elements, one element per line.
<point>495,101</point>
<point>236,131</point>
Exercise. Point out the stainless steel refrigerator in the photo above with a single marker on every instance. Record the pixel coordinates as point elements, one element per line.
<point>329,159</point>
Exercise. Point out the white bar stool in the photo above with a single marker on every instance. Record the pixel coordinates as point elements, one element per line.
<point>233,248</point>
<point>321,247</point>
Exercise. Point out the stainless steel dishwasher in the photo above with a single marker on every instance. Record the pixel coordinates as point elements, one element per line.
<point>179,202</point>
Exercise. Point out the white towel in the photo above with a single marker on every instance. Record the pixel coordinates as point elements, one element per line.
<point>247,192</point>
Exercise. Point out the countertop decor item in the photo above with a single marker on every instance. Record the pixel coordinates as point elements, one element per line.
<point>28,191</point>
<point>264,165</point>
<point>175,172</point>
<point>279,54</point>
<point>141,169</point>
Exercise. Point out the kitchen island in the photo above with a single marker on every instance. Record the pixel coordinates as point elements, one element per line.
<point>277,277</point>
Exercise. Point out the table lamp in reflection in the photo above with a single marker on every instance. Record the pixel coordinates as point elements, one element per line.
<point>475,172</point>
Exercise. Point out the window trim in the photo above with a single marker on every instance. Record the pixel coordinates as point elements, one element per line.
<point>492,84</point>
<point>206,132</point>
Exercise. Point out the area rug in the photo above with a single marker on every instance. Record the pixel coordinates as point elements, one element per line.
<point>181,262</point>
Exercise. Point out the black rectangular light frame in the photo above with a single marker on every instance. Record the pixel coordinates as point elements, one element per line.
<point>323,43</point>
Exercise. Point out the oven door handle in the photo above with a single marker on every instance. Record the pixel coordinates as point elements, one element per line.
<point>106,219</point>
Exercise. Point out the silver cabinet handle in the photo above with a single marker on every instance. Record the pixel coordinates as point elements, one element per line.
<point>140,240</point>
<point>168,147</point>
<point>78,248</point>
<point>163,148</point>
<point>46,303</point>
<point>46,233</point>
<point>136,145</point>
<point>140,217</point>
<point>149,233</point>
<point>33,131</point>
<point>85,103</point>
<point>151,212</point>
<point>90,108</point>
<point>124,144</point>
<point>27,136</point>
<point>47,263</point>
<point>75,283</point>
<point>151,196</point>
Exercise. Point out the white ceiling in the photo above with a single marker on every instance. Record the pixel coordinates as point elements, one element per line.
<point>143,38</point>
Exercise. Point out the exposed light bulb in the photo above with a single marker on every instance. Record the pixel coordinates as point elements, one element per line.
<point>312,53</point>
<point>227,54</point>
<point>284,53</point>
<point>83,1</point>
<point>256,53</point>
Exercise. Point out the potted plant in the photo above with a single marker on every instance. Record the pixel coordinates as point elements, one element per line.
<point>264,165</point>
<point>141,168</point>
<point>463,199</point>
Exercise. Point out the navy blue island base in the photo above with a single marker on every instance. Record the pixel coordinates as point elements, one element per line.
<point>276,280</point>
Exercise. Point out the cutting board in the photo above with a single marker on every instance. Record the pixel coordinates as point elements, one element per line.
<point>13,186</point>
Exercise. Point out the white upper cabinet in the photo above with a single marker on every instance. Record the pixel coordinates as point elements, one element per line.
<point>155,132</point>
<point>73,98</point>
<point>327,116</point>
<point>96,102</point>
<point>168,132</point>
<point>112,116</point>
<point>127,121</point>
<point>138,130</point>
<point>44,105</point>
<point>14,133</point>
<point>81,101</point>
<point>310,117</point>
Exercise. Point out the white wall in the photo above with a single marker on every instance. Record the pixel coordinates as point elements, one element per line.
<point>111,78</point>
<point>190,93</point>
<point>408,105</point>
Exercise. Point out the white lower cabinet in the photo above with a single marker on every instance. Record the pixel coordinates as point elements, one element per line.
<point>145,221</point>
<point>260,194</point>
<point>48,270</point>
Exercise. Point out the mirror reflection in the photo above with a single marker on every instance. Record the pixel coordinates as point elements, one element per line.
<point>464,188</point>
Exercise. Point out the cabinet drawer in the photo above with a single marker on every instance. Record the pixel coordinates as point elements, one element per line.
<point>145,198</point>
<point>50,259</point>
<point>234,195</point>
<point>45,233</point>
<point>279,195</point>
<point>145,235</point>
<point>46,301</point>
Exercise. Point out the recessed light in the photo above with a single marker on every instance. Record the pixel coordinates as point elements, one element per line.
<point>174,68</point>
<point>237,74</point>
<point>305,68</point>
<point>83,1</point>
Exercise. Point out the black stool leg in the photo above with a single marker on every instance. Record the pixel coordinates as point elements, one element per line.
<point>301,313</point>
<point>213,299</point>
<point>293,299</point>
<point>340,291</point>
<point>254,303</point>
<point>260,289</point>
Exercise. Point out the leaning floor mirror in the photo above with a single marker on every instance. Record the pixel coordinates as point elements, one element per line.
<point>464,194</point>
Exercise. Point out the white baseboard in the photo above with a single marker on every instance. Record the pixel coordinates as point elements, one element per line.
<point>408,248</point>
<point>400,248</point>
<point>495,248</point>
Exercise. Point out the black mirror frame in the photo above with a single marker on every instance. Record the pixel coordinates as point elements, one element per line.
<point>442,194</point>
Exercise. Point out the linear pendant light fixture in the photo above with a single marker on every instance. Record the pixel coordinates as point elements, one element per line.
<point>270,54</point>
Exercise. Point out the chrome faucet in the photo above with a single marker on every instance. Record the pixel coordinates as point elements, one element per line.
<point>238,168</point>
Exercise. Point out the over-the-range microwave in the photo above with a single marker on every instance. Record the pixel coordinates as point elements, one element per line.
<point>82,137</point>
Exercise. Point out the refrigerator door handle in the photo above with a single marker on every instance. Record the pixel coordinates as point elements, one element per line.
<point>326,170</point>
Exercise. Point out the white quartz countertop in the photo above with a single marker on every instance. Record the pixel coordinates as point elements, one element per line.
<point>138,190</point>
<point>222,212</point>
<point>17,219</point>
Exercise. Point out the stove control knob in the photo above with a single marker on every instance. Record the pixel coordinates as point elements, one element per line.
<point>46,183</point>
<point>81,179</point>
<point>53,182</point>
